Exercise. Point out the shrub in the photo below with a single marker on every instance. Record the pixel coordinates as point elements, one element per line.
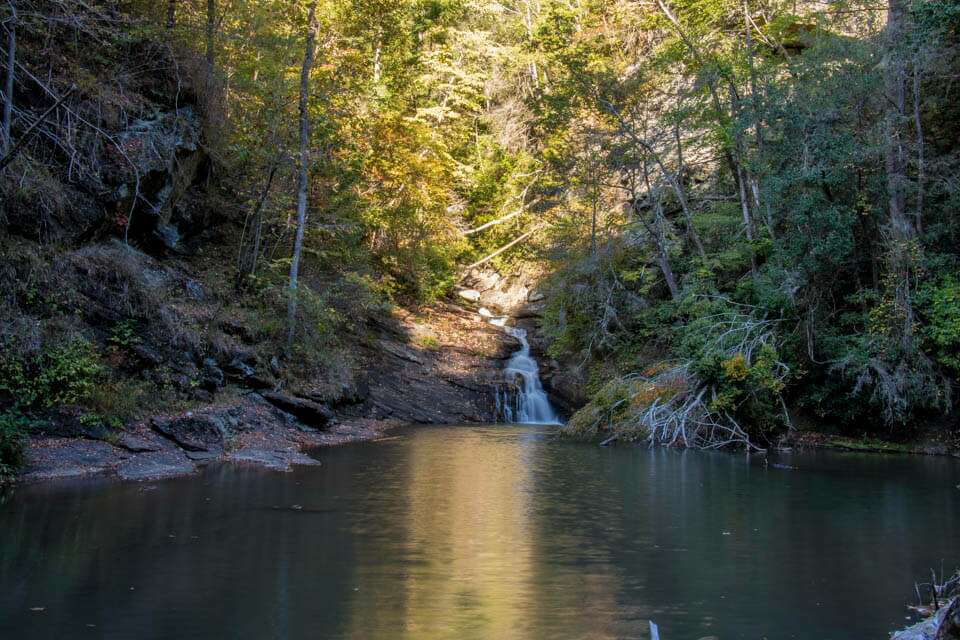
<point>68,373</point>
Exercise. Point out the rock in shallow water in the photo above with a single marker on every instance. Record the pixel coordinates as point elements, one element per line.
<point>160,464</point>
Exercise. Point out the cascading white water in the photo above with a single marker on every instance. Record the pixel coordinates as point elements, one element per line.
<point>529,403</point>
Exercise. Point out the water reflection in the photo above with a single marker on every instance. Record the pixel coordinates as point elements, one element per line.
<point>495,532</point>
<point>465,548</point>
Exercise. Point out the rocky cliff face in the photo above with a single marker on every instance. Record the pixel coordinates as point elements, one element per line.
<point>119,146</point>
<point>145,188</point>
<point>153,181</point>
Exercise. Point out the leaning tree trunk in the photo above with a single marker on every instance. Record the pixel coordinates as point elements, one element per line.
<point>900,230</point>
<point>312,29</point>
<point>918,125</point>
<point>663,255</point>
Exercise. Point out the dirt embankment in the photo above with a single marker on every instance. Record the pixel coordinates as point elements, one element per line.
<point>432,367</point>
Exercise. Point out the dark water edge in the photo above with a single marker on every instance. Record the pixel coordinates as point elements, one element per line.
<point>484,532</point>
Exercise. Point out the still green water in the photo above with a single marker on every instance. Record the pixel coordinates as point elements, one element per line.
<point>484,532</point>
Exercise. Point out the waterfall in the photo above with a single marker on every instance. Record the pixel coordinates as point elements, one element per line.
<point>523,399</point>
<point>527,403</point>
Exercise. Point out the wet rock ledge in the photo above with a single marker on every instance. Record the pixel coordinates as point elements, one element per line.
<point>251,430</point>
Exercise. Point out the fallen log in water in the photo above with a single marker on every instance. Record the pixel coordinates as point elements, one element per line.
<point>943,625</point>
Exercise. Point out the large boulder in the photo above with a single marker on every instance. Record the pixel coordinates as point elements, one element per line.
<point>194,432</point>
<point>213,377</point>
<point>307,411</point>
<point>482,280</point>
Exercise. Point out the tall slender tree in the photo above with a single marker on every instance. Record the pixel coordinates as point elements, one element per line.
<point>900,230</point>
<point>8,84</point>
<point>304,159</point>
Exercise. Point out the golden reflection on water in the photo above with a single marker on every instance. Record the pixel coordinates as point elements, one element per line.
<point>470,548</point>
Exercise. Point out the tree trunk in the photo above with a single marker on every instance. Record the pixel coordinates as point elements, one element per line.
<point>593,226</point>
<point>918,124</point>
<point>756,100</point>
<point>378,56</point>
<point>747,221</point>
<point>742,180</point>
<point>754,92</point>
<point>249,258</point>
<point>171,13</point>
<point>312,29</point>
<point>211,33</point>
<point>900,231</point>
<point>8,84</point>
